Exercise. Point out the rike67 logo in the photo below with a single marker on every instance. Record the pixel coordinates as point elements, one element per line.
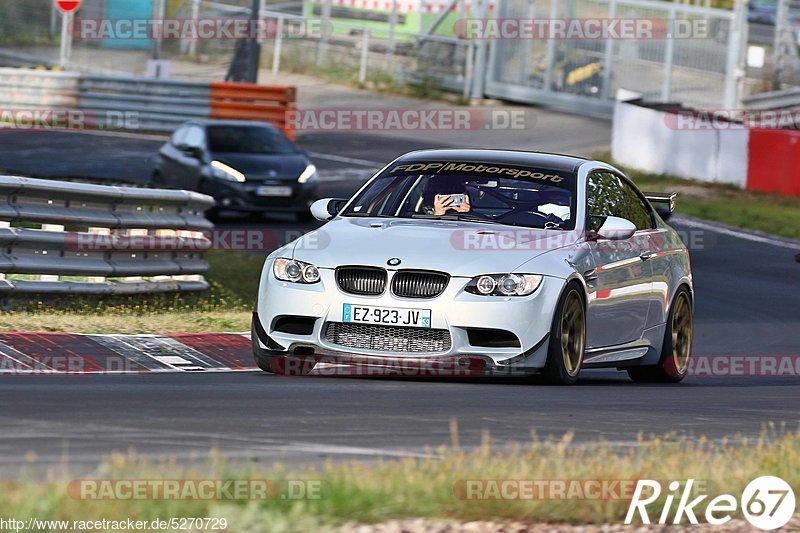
<point>767,502</point>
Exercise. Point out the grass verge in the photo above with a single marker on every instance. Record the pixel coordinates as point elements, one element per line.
<point>430,487</point>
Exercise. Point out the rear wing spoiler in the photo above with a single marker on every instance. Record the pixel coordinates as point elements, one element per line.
<point>664,202</point>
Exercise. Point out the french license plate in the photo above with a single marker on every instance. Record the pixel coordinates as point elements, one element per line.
<point>386,316</point>
<point>268,190</point>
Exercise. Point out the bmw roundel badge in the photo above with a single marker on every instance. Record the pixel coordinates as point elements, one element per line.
<point>394,261</point>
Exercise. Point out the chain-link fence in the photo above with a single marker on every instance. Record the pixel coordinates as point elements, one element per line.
<point>701,68</point>
<point>394,44</point>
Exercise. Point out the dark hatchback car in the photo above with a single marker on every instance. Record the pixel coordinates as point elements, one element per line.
<point>248,167</point>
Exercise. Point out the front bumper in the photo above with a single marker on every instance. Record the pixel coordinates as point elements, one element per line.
<point>455,311</point>
<point>243,197</point>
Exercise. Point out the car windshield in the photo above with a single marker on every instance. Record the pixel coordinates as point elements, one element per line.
<point>248,140</point>
<point>492,193</point>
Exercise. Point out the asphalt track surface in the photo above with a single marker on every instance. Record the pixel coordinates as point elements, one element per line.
<point>747,293</point>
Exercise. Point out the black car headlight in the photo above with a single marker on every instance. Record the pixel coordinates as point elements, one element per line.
<point>504,284</point>
<point>295,271</point>
<point>309,174</point>
<point>222,171</point>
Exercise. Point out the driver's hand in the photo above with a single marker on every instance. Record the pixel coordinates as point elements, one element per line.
<point>464,207</point>
<point>441,203</point>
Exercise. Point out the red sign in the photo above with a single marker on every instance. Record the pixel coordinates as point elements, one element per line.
<point>68,6</point>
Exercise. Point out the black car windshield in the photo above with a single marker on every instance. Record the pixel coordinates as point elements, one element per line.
<point>471,191</point>
<point>248,140</point>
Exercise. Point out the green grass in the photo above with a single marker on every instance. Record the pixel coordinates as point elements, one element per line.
<point>376,492</point>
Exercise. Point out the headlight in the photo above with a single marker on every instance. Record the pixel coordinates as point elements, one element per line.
<point>295,271</point>
<point>504,284</point>
<point>309,173</point>
<point>224,172</point>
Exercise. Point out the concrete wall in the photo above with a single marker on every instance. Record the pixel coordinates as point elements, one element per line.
<point>654,141</point>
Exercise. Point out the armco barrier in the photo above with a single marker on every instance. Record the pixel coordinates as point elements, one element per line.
<point>253,102</point>
<point>146,240</point>
<point>113,102</point>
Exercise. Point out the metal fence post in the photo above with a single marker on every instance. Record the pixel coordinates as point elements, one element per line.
<point>276,52</point>
<point>469,70</point>
<point>736,39</point>
<point>390,46</point>
<point>159,13</point>
<point>608,54</point>
<point>550,56</point>
<point>779,43</point>
<point>53,19</point>
<point>479,79</point>
<point>669,56</point>
<point>196,19</point>
<point>362,69</point>
<point>66,40</point>
<point>322,49</point>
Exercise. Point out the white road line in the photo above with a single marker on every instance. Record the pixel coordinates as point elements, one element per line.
<point>739,233</point>
<point>352,160</point>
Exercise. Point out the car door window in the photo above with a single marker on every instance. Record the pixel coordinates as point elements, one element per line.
<point>610,195</point>
<point>194,138</point>
<point>178,136</point>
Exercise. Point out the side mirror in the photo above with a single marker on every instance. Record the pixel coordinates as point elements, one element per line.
<point>327,208</point>
<point>616,229</point>
<point>192,151</point>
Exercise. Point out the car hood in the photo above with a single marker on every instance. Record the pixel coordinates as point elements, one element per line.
<point>265,166</point>
<point>459,248</point>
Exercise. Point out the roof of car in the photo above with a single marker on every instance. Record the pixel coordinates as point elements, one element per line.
<point>558,162</point>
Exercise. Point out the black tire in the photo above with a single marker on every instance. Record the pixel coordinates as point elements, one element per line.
<point>214,214</point>
<point>567,338</point>
<point>676,350</point>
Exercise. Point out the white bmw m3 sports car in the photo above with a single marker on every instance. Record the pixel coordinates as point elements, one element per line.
<point>493,261</point>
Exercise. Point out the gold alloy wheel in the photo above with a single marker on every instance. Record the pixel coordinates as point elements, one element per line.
<point>682,333</point>
<point>573,338</point>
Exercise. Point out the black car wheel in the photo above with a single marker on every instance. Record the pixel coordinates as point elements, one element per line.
<point>567,338</point>
<point>676,350</point>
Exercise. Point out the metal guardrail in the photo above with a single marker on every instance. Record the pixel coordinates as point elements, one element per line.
<point>155,105</point>
<point>119,240</point>
<point>787,98</point>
